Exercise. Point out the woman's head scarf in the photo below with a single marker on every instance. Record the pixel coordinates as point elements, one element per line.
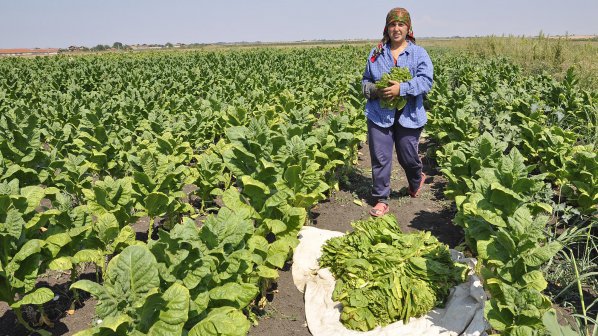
<point>396,14</point>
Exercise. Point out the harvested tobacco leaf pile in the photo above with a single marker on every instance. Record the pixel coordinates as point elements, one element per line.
<point>383,275</point>
<point>399,74</point>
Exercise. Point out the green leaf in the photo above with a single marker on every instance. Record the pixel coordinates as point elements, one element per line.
<point>527,186</point>
<point>488,212</point>
<point>61,264</point>
<point>89,255</point>
<point>278,253</point>
<point>174,313</point>
<point>5,202</point>
<point>34,195</point>
<point>503,197</point>
<point>232,200</point>
<point>258,244</point>
<point>399,74</point>
<point>253,188</point>
<point>131,277</point>
<point>133,274</point>
<point>554,328</point>
<point>56,241</point>
<point>223,321</point>
<point>499,319</point>
<point>91,287</point>
<point>267,272</point>
<point>114,322</point>
<point>514,163</point>
<point>107,227</point>
<point>13,224</point>
<point>234,294</point>
<point>541,254</point>
<point>24,266</point>
<point>275,226</point>
<point>125,237</point>
<point>41,218</point>
<point>535,279</point>
<point>156,204</point>
<point>228,228</point>
<point>539,207</point>
<point>292,176</point>
<point>522,331</point>
<point>492,250</point>
<point>38,297</point>
<point>506,241</point>
<point>520,221</point>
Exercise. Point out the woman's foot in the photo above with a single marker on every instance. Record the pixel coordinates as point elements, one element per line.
<point>379,209</point>
<point>421,184</point>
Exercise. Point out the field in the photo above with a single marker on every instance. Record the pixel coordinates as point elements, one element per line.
<point>162,192</point>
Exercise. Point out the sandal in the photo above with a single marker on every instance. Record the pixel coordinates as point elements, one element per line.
<point>379,209</point>
<point>421,184</point>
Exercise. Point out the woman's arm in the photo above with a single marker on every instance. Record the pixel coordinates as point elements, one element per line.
<point>368,87</point>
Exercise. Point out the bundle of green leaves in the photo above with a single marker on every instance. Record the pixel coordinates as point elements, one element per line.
<point>383,275</point>
<point>399,74</point>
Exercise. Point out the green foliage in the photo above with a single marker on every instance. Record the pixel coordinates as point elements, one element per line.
<point>384,276</point>
<point>224,321</point>
<point>554,328</point>
<point>23,245</point>
<point>461,161</point>
<point>581,174</point>
<point>530,159</point>
<point>398,74</point>
<point>130,300</point>
<point>95,143</point>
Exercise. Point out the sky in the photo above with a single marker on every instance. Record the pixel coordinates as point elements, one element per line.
<point>62,23</point>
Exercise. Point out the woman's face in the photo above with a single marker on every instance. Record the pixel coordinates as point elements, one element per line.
<point>397,32</point>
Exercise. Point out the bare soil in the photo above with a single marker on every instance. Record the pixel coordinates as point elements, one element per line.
<point>285,313</point>
<point>56,310</point>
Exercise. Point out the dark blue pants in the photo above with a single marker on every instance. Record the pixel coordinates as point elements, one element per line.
<point>405,141</point>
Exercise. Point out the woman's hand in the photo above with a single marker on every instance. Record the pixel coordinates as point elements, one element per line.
<point>391,91</point>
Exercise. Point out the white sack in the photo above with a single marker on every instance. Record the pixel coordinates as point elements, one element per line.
<point>462,315</point>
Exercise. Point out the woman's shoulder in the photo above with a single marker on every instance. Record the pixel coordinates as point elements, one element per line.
<point>419,52</point>
<point>417,48</point>
<point>374,49</point>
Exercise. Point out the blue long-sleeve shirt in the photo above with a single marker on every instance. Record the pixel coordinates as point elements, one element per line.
<point>420,65</point>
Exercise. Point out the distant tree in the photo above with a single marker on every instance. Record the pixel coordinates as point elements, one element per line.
<point>168,45</point>
<point>117,45</point>
<point>100,47</point>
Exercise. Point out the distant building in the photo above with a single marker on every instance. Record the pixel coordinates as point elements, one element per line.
<point>28,52</point>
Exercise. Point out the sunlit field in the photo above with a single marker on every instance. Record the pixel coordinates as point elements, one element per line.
<point>182,178</point>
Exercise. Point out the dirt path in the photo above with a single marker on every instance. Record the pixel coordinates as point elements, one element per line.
<point>285,315</point>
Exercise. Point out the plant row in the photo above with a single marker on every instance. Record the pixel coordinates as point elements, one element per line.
<point>513,150</point>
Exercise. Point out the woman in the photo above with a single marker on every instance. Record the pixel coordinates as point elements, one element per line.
<point>388,128</point>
